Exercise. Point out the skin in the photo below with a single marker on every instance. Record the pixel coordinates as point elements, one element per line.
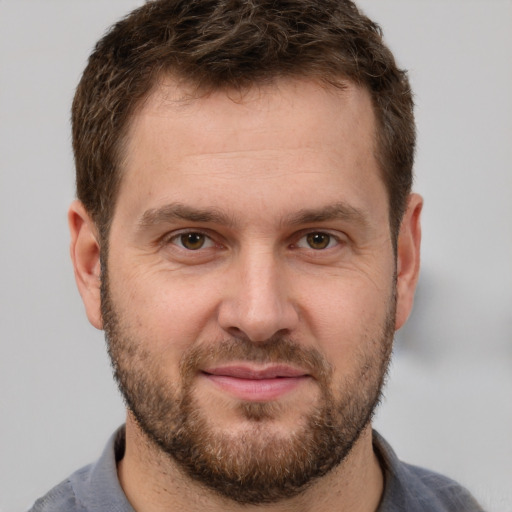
<point>261,160</point>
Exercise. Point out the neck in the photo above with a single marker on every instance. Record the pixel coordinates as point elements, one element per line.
<point>153,483</point>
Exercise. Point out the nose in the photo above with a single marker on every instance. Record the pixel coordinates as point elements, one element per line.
<point>257,302</point>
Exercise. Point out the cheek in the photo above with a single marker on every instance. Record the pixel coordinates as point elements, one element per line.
<point>162,311</point>
<point>347,318</point>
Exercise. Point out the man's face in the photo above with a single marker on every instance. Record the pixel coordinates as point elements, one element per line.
<point>249,301</point>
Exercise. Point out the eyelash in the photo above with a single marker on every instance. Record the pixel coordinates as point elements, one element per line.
<point>175,237</point>
<point>332,241</point>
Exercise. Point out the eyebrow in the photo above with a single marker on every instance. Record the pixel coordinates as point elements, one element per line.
<point>338,211</point>
<point>179,211</point>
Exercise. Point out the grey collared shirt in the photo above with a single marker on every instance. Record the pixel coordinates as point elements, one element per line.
<point>96,488</point>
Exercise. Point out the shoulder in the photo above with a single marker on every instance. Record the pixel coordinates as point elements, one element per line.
<point>94,488</point>
<point>435,492</point>
<point>414,489</point>
<point>62,498</point>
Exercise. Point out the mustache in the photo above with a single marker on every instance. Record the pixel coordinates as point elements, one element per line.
<point>275,350</point>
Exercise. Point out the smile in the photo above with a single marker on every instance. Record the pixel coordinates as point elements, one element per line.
<point>257,385</point>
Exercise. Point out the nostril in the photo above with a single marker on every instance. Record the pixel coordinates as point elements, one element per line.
<point>238,333</point>
<point>257,316</point>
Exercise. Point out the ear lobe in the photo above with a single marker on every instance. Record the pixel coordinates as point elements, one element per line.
<point>85,255</point>
<point>408,258</point>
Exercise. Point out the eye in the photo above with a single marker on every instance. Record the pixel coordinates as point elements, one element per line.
<point>192,241</point>
<point>317,240</point>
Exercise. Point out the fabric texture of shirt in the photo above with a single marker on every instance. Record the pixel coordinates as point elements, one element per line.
<point>96,488</point>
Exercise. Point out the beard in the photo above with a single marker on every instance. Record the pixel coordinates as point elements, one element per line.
<point>259,463</point>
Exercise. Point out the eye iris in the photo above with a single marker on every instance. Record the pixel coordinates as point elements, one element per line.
<point>318,240</point>
<point>192,241</point>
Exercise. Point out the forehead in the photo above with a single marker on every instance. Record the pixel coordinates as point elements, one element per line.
<point>223,118</point>
<point>292,133</point>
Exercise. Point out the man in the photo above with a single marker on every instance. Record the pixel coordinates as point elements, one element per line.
<point>246,235</point>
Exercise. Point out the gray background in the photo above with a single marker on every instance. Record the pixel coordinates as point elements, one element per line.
<point>448,404</point>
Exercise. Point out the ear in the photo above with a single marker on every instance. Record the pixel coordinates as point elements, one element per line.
<point>408,258</point>
<point>85,254</point>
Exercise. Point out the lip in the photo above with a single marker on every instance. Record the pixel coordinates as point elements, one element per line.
<point>255,384</point>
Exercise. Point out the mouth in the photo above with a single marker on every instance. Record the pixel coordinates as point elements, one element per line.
<point>250,383</point>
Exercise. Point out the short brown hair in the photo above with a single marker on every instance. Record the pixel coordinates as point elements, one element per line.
<point>223,44</point>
